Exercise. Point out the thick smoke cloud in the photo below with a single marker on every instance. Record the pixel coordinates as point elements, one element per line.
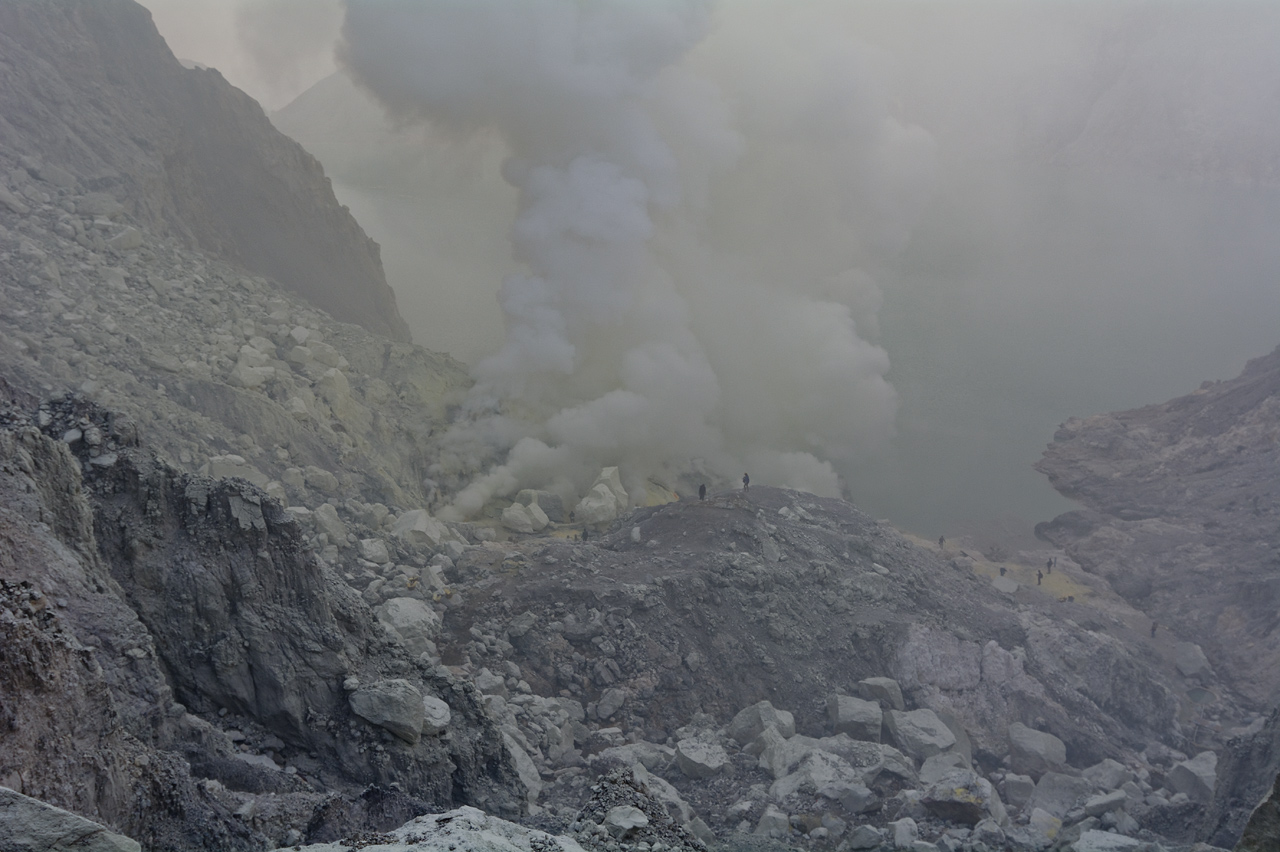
<point>637,332</point>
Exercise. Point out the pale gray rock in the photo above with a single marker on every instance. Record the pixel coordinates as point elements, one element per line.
<point>990,833</point>
<point>489,683</point>
<point>526,769</point>
<point>418,527</point>
<point>327,521</point>
<point>1017,790</point>
<point>436,716</point>
<point>605,500</point>
<point>465,829</point>
<point>1044,826</point>
<point>856,717</point>
<point>517,518</point>
<point>611,701</point>
<point>227,466</point>
<point>824,774</point>
<point>1104,802</point>
<point>749,723</point>
<point>394,704</point>
<point>663,791</point>
<point>623,820</point>
<point>1196,777</point>
<point>374,550</point>
<point>321,480</point>
<point>1104,841</point>
<point>1007,585</point>
<point>550,504</point>
<point>904,832</point>
<point>774,822</point>
<point>1059,794</point>
<point>963,796</point>
<point>30,825</point>
<point>940,765</point>
<point>1191,661</point>
<point>127,240</point>
<point>413,621</point>
<point>1108,774</point>
<point>884,690</point>
<point>920,734</point>
<point>698,758</point>
<point>1033,752</point>
<point>865,837</point>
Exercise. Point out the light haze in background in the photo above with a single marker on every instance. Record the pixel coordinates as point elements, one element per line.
<point>1092,228</point>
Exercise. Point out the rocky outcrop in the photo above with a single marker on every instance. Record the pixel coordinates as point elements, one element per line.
<point>1178,497</point>
<point>175,659</point>
<point>94,100</point>
<point>29,824</point>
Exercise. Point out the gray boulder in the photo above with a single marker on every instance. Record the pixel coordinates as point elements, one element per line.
<point>698,758</point>
<point>824,774</point>
<point>1191,661</point>
<point>963,796</point>
<point>395,705</point>
<point>30,825</point>
<point>918,733</point>
<point>1108,774</point>
<point>774,822</point>
<point>1033,752</point>
<point>435,716</point>
<point>1105,802</point>
<point>884,690</point>
<point>856,717</point>
<point>1104,841</point>
<point>865,837</point>
<point>940,765</point>
<point>415,623</point>
<point>905,832</point>
<point>1196,777</point>
<point>1059,794</point>
<point>623,820</point>
<point>1017,790</point>
<point>751,722</point>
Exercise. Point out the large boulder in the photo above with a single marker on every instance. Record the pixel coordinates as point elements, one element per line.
<point>918,733</point>
<point>436,716</point>
<point>1108,774</point>
<point>415,623</point>
<point>524,519</point>
<point>394,704</point>
<point>1059,794</point>
<point>604,501</point>
<point>550,504</point>
<point>1033,752</point>
<point>1191,661</point>
<point>963,796</point>
<point>417,527</point>
<point>821,773</point>
<point>30,825</point>
<point>860,719</point>
<point>1093,840</point>
<point>752,721</point>
<point>884,690</point>
<point>1196,777</point>
<point>698,758</point>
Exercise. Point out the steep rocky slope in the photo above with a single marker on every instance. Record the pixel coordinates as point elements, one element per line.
<point>92,95</point>
<point>1182,518</point>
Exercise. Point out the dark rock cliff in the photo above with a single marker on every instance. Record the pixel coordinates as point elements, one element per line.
<point>1183,518</point>
<point>90,92</point>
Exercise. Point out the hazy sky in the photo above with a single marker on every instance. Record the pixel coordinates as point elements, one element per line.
<point>1029,210</point>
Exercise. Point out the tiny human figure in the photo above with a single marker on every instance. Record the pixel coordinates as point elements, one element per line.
<point>1048,567</point>
<point>942,542</point>
<point>746,482</point>
<point>584,533</point>
<point>1154,625</point>
<point>1002,570</point>
<point>1039,577</point>
<point>702,491</point>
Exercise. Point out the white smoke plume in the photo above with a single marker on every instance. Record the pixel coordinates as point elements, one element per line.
<point>690,300</point>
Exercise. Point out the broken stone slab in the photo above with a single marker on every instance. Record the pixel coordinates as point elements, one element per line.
<point>774,822</point>
<point>1191,661</point>
<point>750,722</point>
<point>698,758</point>
<point>885,690</point>
<point>1108,774</point>
<point>465,829</point>
<point>1104,802</point>
<point>127,240</point>
<point>549,503</point>
<point>436,716</point>
<point>327,521</point>
<point>623,820</point>
<point>1006,585</point>
<point>1045,825</point>
<point>963,796</point>
<point>904,832</point>
<point>918,733</point>
<point>821,773</point>
<point>393,704</point>
<point>865,837</point>
<point>228,466</point>
<point>1196,777</point>
<point>419,528</point>
<point>30,825</point>
<point>488,683</point>
<point>1104,841</point>
<point>1017,790</point>
<point>1033,752</point>
<point>605,500</point>
<point>611,701</point>
<point>524,519</point>
<point>856,717</point>
<point>1059,794</point>
<point>415,623</point>
<point>940,765</point>
<point>374,550</point>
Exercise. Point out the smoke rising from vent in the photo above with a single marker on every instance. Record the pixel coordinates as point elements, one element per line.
<point>639,331</point>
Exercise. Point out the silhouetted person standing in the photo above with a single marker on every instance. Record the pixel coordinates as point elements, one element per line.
<point>702,491</point>
<point>942,542</point>
<point>1048,567</point>
<point>1002,570</point>
<point>1039,577</point>
<point>746,482</point>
